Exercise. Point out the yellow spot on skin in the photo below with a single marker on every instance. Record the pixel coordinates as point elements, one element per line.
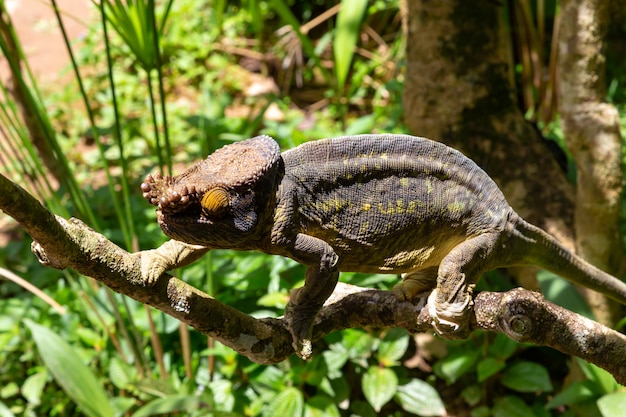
<point>408,259</point>
<point>386,210</point>
<point>404,182</point>
<point>456,206</point>
<point>366,206</point>
<point>429,186</point>
<point>399,206</point>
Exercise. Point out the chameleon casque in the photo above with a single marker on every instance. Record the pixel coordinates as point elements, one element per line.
<point>394,204</point>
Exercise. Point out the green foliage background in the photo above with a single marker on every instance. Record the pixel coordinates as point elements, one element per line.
<point>163,85</point>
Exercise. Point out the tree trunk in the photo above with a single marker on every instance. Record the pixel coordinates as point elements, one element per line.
<point>592,133</point>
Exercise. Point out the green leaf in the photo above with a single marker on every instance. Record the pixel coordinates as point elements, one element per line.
<point>455,365</point>
<point>336,357</point>
<point>527,377</point>
<point>603,379</point>
<point>33,387</point>
<point>357,342</point>
<point>379,385</point>
<point>274,299</point>
<point>321,406</point>
<point>346,35</point>
<point>392,347</point>
<point>362,409</point>
<point>120,373</point>
<point>419,397</point>
<point>172,404</point>
<point>472,395</point>
<point>364,124</point>
<point>290,402</point>
<point>576,392</point>
<point>511,407</point>
<point>563,293</point>
<point>481,411</point>
<point>122,405</point>
<point>223,398</point>
<point>5,411</point>
<point>488,367</point>
<point>612,404</point>
<point>502,347</point>
<point>76,379</point>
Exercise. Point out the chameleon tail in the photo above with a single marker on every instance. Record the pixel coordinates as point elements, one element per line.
<point>548,253</point>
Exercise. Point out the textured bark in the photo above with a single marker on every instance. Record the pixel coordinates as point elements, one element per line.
<point>592,133</point>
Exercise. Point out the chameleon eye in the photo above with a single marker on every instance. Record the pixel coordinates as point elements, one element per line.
<point>215,201</point>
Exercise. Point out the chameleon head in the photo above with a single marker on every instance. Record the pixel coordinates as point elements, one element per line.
<point>221,199</point>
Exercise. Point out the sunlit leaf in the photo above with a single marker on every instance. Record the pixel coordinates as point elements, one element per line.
<point>419,397</point>
<point>76,379</point>
<point>574,393</point>
<point>290,402</point>
<point>392,347</point>
<point>346,36</point>
<point>320,406</point>
<point>612,404</point>
<point>603,380</point>
<point>379,386</point>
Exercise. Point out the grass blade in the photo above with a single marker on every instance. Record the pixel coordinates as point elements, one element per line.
<point>346,36</point>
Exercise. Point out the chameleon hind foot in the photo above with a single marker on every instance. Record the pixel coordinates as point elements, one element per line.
<point>450,320</point>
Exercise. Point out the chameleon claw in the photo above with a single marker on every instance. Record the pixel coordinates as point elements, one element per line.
<point>304,349</point>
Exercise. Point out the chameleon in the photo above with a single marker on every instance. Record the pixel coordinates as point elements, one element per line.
<point>377,203</point>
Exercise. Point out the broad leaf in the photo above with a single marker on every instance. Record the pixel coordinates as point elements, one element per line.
<point>612,404</point>
<point>527,377</point>
<point>76,379</point>
<point>488,367</point>
<point>392,347</point>
<point>511,407</point>
<point>419,397</point>
<point>290,402</point>
<point>452,367</point>
<point>379,386</point>
<point>576,392</point>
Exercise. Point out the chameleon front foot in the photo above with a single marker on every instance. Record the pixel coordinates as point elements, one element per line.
<point>301,318</point>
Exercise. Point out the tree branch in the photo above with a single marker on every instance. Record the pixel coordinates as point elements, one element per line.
<point>523,315</point>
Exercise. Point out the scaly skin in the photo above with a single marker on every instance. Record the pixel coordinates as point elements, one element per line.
<point>371,203</point>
